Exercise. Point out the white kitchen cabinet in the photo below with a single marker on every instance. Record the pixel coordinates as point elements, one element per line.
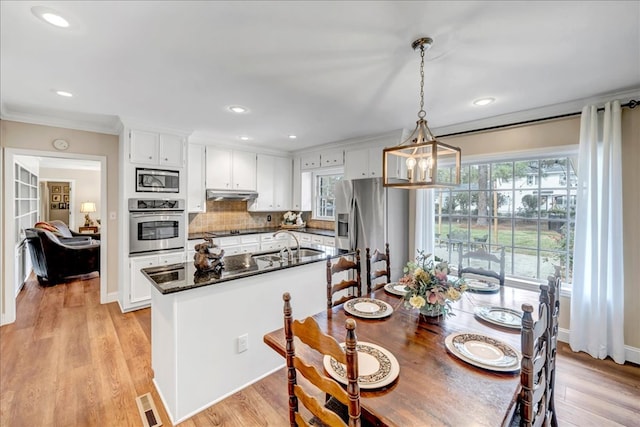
<point>196,192</point>
<point>230,169</point>
<point>240,244</point>
<point>157,149</point>
<point>310,161</point>
<point>139,286</point>
<point>273,184</point>
<point>269,242</point>
<point>296,185</point>
<point>332,158</point>
<point>282,183</point>
<point>363,163</point>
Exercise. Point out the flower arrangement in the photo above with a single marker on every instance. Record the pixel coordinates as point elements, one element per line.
<point>428,286</point>
<point>290,217</point>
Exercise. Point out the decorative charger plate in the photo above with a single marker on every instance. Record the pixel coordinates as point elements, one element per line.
<point>484,352</point>
<point>395,288</point>
<point>377,367</point>
<point>501,316</point>
<point>482,287</point>
<point>368,308</point>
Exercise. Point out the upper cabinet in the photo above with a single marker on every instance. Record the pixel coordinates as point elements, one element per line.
<point>323,159</point>
<point>310,161</point>
<point>157,149</point>
<point>230,169</point>
<point>331,158</point>
<point>273,184</point>
<point>195,178</point>
<point>363,163</point>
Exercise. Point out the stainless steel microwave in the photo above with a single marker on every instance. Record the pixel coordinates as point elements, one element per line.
<point>157,181</point>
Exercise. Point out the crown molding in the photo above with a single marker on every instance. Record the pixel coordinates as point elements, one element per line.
<point>110,127</point>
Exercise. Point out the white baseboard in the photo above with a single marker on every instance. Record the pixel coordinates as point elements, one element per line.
<point>112,297</point>
<point>631,354</point>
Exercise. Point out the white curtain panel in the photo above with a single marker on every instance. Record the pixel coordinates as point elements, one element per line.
<point>425,222</point>
<point>597,299</point>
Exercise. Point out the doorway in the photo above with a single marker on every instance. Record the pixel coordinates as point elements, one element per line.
<point>57,168</point>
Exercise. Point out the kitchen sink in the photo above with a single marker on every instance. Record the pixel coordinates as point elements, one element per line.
<point>275,256</point>
<point>306,252</point>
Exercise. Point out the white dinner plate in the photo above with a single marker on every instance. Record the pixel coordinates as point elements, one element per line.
<point>377,367</point>
<point>501,316</point>
<point>480,287</point>
<point>368,308</point>
<point>484,352</point>
<point>395,288</point>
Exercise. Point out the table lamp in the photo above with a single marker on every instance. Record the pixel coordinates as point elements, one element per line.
<point>87,208</point>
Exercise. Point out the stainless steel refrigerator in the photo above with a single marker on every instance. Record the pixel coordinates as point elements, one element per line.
<point>370,215</point>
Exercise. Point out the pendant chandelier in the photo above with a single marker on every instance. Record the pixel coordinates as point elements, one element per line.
<point>421,161</point>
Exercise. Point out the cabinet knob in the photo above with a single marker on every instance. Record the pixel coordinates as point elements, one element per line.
<point>363,173</point>
<point>166,159</point>
<point>149,157</point>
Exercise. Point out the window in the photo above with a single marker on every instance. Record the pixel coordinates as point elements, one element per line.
<point>324,197</point>
<point>527,206</point>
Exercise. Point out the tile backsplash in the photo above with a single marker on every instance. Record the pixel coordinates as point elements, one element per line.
<point>233,215</point>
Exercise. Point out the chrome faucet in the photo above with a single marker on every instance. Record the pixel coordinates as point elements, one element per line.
<point>287,248</point>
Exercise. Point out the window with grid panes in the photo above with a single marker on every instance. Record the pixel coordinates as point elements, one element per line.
<point>527,206</point>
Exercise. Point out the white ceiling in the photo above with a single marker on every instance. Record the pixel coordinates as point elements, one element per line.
<point>325,71</point>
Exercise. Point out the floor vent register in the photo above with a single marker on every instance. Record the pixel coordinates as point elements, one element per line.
<point>148,411</point>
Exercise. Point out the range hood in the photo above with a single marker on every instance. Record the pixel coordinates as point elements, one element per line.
<point>218,195</point>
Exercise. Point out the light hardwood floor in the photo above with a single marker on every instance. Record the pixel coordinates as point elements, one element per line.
<point>70,361</point>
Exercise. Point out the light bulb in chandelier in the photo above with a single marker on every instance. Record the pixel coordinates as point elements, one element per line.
<point>411,163</point>
<point>425,168</point>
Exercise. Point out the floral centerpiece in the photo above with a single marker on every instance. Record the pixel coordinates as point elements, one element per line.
<point>429,287</point>
<point>290,217</point>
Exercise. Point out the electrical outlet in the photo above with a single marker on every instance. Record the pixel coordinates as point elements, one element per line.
<point>243,343</point>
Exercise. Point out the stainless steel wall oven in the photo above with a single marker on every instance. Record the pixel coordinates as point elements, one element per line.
<point>156,225</point>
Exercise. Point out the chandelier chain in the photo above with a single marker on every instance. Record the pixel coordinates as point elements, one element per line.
<point>422,113</point>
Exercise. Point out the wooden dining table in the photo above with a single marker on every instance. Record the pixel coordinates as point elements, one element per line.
<point>434,387</point>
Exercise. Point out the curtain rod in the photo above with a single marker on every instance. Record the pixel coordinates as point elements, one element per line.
<point>631,104</point>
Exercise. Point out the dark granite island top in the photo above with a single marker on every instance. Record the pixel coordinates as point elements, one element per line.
<point>181,277</point>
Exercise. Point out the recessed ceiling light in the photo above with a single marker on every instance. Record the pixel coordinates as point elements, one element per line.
<point>483,101</point>
<point>244,138</point>
<point>292,137</point>
<point>50,16</point>
<point>64,93</point>
<point>237,109</point>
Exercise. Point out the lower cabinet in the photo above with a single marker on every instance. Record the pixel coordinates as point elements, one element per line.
<point>139,290</point>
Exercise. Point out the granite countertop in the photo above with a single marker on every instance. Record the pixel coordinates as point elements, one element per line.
<point>181,277</point>
<point>227,233</point>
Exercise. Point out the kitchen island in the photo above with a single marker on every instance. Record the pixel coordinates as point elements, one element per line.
<point>207,329</point>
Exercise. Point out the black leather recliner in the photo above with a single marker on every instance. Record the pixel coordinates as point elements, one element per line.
<point>53,260</point>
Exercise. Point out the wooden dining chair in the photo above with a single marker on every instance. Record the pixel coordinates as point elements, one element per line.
<point>373,275</point>
<point>533,397</point>
<point>310,334</point>
<point>553,296</point>
<point>351,281</point>
<point>495,264</point>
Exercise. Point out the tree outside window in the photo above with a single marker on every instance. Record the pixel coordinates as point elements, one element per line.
<point>325,201</point>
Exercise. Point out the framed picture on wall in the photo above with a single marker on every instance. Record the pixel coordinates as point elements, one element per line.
<point>54,206</point>
<point>56,189</point>
<point>65,189</point>
<point>65,198</point>
<point>56,197</point>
